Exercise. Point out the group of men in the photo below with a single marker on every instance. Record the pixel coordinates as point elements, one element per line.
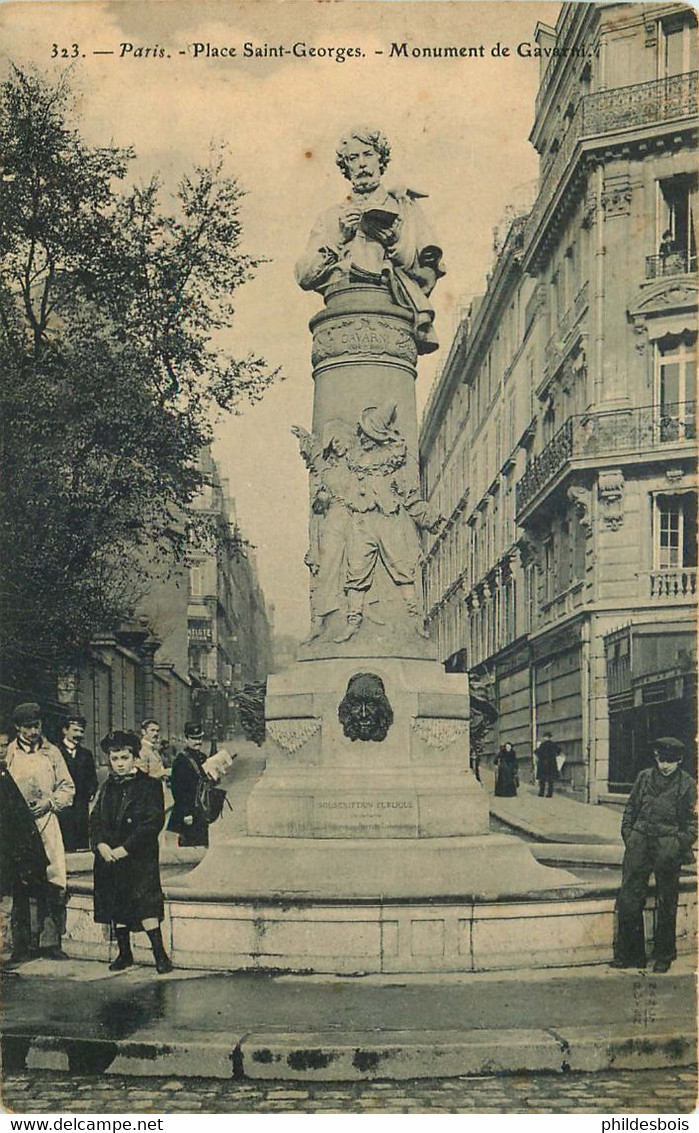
<point>45,794</point>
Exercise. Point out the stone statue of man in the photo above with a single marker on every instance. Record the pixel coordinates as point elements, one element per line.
<point>376,235</point>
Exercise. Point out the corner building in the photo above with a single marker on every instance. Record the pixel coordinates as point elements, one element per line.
<point>560,439</point>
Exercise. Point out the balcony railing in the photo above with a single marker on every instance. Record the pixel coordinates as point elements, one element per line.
<point>597,434</point>
<point>673,585</point>
<point>642,104</point>
<point>675,263</point>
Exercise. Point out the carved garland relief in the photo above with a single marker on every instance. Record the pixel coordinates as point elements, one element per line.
<point>291,735</point>
<point>439,734</point>
<point>610,490</point>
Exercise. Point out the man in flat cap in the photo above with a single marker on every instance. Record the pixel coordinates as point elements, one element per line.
<point>659,828</point>
<point>39,770</point>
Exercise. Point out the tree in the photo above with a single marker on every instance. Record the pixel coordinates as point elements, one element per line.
<point>112,308</point>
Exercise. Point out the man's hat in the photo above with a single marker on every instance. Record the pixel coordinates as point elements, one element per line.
<point>27,713</point>
<point>669,749</point>
<point>193,731</point>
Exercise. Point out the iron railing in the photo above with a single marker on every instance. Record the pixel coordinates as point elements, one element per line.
<point>598,434</point>
<point>673,263</point>
<point>642,104</point>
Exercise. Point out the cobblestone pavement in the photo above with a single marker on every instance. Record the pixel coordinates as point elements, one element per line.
<point>640,1091</point>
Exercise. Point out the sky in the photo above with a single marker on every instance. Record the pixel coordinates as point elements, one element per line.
<point>458,129</point>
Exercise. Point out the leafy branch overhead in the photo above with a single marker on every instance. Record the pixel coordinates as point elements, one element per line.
<point>115,306</point>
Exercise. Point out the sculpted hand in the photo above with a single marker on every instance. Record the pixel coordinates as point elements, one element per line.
<point>39,809</point>
<point>188,819</point>
<point>349,221</point>
<point>105,852</point>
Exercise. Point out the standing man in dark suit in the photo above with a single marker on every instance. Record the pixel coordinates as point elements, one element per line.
<point>188,773</point>
<point>81,766</point>
<point>547,765</point>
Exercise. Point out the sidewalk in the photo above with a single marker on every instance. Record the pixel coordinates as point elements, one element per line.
<point>559,819</point>
<point>79,1017</point>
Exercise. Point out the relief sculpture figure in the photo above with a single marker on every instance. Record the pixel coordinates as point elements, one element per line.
<point>364,510</point>
<point>326,557</point>
<point>386,513</point>
<point>376,235</point>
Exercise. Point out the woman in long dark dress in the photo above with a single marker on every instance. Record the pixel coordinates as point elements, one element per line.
<point>507,775</point>
<point>124,826</point>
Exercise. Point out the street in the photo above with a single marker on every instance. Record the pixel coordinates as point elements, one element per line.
<point>644,1091</point>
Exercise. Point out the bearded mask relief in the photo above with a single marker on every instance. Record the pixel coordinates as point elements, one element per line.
<point>365,712</point>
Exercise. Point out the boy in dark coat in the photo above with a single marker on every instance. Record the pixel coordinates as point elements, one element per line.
<point>126,820</point>
<point>81,767</point>
<point>659,828</point>
<point>186,818</point>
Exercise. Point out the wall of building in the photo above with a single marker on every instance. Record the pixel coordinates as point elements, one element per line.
<point>553,440</point>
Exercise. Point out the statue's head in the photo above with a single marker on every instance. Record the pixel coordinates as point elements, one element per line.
<point>363,154</point>
<point>365,713</point>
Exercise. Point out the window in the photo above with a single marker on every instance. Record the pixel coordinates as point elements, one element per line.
<point>677,46</point>
<point>676,232</point>
<point>676,388</point>
<point>675,531</point>
<point>195,580</point>
<point>530,585</point>
<point>549,569</point>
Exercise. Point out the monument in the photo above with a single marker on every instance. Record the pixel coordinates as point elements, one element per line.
<point>368,845</point>
<point>367,793</point>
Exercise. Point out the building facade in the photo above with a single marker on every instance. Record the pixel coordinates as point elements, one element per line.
<point>560,438</point>
<point>230,637</point>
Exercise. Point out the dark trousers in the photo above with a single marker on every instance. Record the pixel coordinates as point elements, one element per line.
<point>547,784</point>
<point>643,856</point>
<point>37,921</point>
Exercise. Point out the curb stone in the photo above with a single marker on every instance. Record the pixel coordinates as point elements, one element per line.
<point>359,1056</point>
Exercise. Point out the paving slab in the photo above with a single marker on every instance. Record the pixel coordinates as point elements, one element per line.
<point>558,819</point>
<point>318,1029</point>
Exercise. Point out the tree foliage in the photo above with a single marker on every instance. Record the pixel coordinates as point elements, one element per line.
<point>113,304</point>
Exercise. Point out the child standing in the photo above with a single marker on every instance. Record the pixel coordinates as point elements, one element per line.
<point>124,826</point>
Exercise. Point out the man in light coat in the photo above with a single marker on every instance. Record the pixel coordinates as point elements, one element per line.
<point>40,772</point>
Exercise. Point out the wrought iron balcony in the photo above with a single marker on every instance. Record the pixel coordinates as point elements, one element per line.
<point>620,108</point>
<point>675,584</point>
<point>674,263</point>
<point>599,434</point>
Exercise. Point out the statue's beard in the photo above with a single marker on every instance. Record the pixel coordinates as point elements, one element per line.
<point>366,186</point>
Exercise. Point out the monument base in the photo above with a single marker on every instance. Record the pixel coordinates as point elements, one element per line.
<point>485,867</point>
<point>328,779</point>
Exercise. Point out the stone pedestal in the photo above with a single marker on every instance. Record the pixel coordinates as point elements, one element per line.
<point>415,783</point>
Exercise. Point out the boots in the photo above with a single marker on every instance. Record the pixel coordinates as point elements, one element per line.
<point>163,963</point>
<point>125,957</point>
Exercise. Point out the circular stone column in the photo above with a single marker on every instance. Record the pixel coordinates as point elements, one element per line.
<point>364,353</point>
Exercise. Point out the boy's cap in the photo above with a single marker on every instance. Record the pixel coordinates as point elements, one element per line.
<point>669,749</point>
<point>27,713</point>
